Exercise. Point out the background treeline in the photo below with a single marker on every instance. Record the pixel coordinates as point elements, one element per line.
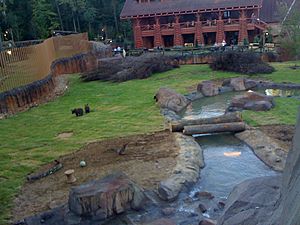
<point>35,19</point>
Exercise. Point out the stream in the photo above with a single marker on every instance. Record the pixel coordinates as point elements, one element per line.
<point>228,162</point>
<point>217,105</point>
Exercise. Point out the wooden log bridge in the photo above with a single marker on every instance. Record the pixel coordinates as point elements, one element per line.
<point>178,126</point>
<point>214,128</point>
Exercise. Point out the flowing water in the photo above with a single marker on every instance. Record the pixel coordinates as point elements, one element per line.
<point>228,162</point>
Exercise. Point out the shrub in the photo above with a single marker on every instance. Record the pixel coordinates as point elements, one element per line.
<point>240,62</point>
<point>129,68</point>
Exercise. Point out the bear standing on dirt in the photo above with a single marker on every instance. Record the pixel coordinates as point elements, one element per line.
<point>78,112</point>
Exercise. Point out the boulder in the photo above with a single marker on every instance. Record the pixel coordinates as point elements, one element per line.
<point>249,84</point>
<point>290,204</point>
<point>251,101</point>
<point>208,88</point>
<point>104,198</point>
<point>252,202</point>
<point>258,106</point>
<point>167,98</point>
<point>188,164</point>
<point>237,84</point>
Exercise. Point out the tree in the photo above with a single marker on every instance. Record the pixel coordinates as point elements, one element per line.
<point>290,35</point>
<point>44,18</point>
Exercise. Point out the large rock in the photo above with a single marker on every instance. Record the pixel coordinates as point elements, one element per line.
<point>251,101</point>
<point>167,98</point>
<point>208,88</point>
<point>237,84</point>
<point>252,202</point>
<point>189,162</point>
<point>258,106</point>
<point>104,198</point>
<point>291,183</point>
<point>249,84</point>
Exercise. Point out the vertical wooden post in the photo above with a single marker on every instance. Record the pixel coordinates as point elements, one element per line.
<point>220,29</point>
<point>243,32</point>
<point>199,34</point>
<point>138,40</point>
<point>157,33</point>
<point>177,30</point>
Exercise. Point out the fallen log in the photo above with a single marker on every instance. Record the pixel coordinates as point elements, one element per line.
<point>214,128</point>
<point>177,126</point>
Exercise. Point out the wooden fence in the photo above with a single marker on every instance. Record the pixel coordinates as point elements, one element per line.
<point>21,66</point>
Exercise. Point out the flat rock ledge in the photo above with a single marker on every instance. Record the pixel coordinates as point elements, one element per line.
<point>266,148</point>
<point>189,162</point>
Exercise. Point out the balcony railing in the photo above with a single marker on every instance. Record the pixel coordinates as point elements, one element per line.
<point>206,23</point>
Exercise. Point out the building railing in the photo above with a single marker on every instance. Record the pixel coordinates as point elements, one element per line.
<point>205,23</point>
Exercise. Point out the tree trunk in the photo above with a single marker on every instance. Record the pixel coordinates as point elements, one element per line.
<point>74,23</point>
<point>115,16</point>
<point>226,118</point>
<point>59,16</point>
<point>214,128</point>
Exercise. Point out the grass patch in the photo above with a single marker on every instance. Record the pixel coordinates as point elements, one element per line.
<point>29,139</point>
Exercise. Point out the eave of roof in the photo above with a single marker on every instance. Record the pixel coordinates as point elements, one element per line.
<point>134,9</point>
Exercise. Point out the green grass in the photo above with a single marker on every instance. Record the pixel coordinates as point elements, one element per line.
<point>29,139</point>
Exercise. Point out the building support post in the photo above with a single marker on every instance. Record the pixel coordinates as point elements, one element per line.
<point>177,33</point>
<point>157,33</point>
<point>199,34</point>
<point>220,29</point>
<point>138,40</point>
<point>243,32</point>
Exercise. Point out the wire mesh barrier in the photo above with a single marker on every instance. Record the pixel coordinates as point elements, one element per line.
<point>21,66</point>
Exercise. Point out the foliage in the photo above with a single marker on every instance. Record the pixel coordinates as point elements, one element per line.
<point>44,18</point>
<point>240,62</point>
<point>34,19</point>
<point>290,35</point>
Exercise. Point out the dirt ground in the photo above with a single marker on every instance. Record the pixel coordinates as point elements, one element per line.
<point>148,159</point>
<point>282,133</point>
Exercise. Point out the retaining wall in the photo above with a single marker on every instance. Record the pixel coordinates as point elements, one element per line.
<point>27,96</point>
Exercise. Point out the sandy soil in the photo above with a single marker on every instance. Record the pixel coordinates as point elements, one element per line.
<point>282,133</point>
<point>147,160</point>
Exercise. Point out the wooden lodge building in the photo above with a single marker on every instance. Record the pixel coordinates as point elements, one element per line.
<point>168,23</point>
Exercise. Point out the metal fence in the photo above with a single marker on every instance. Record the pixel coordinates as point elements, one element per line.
<point>21,66</point>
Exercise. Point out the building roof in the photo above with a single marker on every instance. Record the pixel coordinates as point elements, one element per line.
<point>132,8</point>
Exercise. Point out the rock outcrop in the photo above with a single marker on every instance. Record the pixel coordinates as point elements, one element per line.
<point>104,198</point>
<point>252,202</point>
<point>167,98</point>
<point>189,162</point>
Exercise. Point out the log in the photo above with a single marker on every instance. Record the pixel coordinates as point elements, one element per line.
<point>177,126</point>
<point>214,128</point>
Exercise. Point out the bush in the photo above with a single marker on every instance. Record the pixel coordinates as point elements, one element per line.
<point>240,62</point>
<point>129,68</point>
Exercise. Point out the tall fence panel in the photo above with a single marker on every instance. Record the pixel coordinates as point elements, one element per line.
<point>21,66</point>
